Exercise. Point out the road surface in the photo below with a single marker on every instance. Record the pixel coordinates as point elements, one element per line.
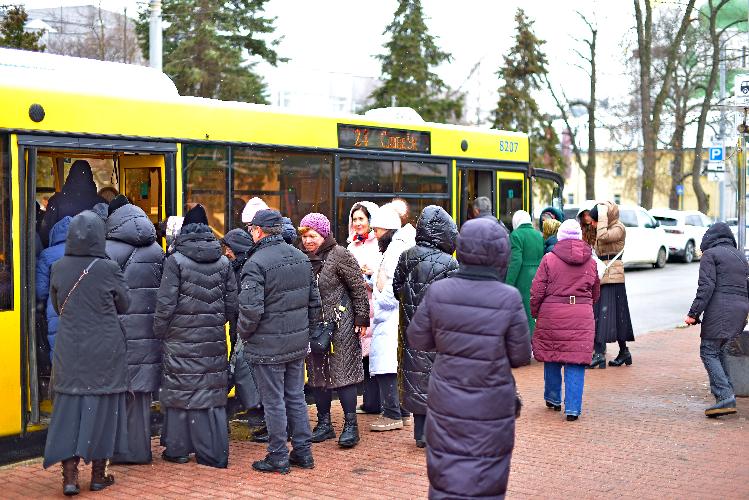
<point>660,298</point>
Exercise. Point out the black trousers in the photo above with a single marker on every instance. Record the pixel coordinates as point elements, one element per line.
<point>324,398</point>
<point>372,403</point>
<point>419,423</point>
<point>600,347</point>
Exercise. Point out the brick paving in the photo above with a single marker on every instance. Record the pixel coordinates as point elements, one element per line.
<point>642,435</point>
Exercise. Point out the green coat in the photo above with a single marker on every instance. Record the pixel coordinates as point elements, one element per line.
<point>527,250</point>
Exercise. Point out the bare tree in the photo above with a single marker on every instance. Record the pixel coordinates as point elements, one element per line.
<point>589,58</point>
<point>651,108</point>
<point>715,36</point>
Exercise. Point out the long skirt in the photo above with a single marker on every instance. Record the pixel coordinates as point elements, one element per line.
<point>613,322</point>
<point>90,427</point>
<point>138,430</point>
<point>202,432</point>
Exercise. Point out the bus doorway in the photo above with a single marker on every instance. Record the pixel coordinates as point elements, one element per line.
<point>142,176</point>
<point>473,183</point>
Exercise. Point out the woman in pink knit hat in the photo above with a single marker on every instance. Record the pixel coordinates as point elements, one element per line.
<point>562,296</point>
<point>344,300</point>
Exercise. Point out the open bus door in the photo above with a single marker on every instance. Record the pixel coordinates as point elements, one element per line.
<point>505,187</point>
<point>142,171</point>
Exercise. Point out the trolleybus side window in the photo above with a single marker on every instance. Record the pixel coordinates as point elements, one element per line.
<point>205,182</point>
<point>291,182</point>
<point>419,183</point>
<point>6,249</point>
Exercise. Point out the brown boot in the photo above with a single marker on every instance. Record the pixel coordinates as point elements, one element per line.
<point>99,477</point>
<point>70,477</point>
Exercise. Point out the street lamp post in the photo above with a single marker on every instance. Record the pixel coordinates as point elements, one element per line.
<point>154,34</point>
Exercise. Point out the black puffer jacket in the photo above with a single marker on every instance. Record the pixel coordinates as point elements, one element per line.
<point>90,347</point>
<point>197,297</point>
<point>278,301</point>
<point>418,267</point>
<point>131,243</point>
<point>722,291</point>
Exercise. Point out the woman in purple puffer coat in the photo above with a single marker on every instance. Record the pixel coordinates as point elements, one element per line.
<point>477,326</point>
<point>562,296</point>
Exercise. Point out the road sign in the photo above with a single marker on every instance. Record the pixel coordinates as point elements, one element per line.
<point>679,190</point>
<point>716,152</point>
<point>741,91</point>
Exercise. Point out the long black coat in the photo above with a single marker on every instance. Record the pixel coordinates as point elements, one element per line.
<point>131,243</point>
<point>78,194</point>
<point>418,267</point>
<point>90,348</point>
<point>339,276</point>
<point>197,297</point>
<point>278,301</point>
<point>722,292</point>
<point>478,328</point>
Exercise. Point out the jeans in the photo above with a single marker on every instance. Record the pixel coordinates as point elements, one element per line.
<point>388,384</point>
<point>574,380</point>
<point>282,391</point>
<point>324,397</point>
<point>713,354</point>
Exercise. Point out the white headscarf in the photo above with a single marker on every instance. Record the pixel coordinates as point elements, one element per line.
<point>519,218</point>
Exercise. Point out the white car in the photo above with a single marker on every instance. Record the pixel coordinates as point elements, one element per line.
<point>646,241</point>
<point>684,229</point>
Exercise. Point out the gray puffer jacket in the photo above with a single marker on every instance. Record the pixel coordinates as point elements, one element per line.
<point>278,301</point>
<point>722,290</point>
<point>418,267</point>
<point>197,297</point>
<point>131,243</point>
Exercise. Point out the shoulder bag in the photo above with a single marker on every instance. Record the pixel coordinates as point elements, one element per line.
<point>603,268</point>
<point>84,273</point>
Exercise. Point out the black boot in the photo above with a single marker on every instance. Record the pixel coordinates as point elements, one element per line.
<point>599,361</point>
<point>323,430</point>
<point>269,465</point>
<point>623,358</point>
<point>99,477</point>
<point>350,433</point>
<point>70,477</point>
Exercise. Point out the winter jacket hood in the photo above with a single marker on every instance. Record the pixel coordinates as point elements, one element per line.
<point>86,236</point>
<point>718,234</point>
<point>483,243</point>
<point>288,231</point>
<point>59,232</point>
<point>130,224</point>
<point>573,252</point>
<point>436,229</point>
<point>197,242</point>
<point>80,179</point>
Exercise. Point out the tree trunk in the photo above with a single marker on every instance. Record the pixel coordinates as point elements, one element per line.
<point>702,200</point>
<point>590,170</point>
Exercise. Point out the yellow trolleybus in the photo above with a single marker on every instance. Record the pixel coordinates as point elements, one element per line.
<point>166,152</point>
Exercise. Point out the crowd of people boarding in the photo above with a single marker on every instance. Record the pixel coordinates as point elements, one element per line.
<point>428,321</point>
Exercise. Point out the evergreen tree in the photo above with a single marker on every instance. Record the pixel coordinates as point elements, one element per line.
<point>524,73</point>
<point>406,68</point>
<point>206,45</point>
<point>12,20</point>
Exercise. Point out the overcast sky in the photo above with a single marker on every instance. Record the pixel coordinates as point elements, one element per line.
<point>343,35</point>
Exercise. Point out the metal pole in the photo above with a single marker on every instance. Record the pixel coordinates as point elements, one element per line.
<point>741,174</point>
<point>154,34</point>
<point>722,181</point>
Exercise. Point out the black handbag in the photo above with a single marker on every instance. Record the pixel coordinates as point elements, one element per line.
<point>321,335</point>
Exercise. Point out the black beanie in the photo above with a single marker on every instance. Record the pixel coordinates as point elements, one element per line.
<point>196,215</point>
<point>118,201</point>
<point>594,213</point>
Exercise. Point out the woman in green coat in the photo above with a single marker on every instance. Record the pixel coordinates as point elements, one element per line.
<point>527,250</point>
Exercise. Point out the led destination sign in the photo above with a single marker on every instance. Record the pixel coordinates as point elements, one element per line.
<point>384,139</point>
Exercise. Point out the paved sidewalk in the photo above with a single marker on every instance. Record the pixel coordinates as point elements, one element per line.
<point>642,435</point>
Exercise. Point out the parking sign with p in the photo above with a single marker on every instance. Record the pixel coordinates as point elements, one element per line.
<point>716,153</point>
